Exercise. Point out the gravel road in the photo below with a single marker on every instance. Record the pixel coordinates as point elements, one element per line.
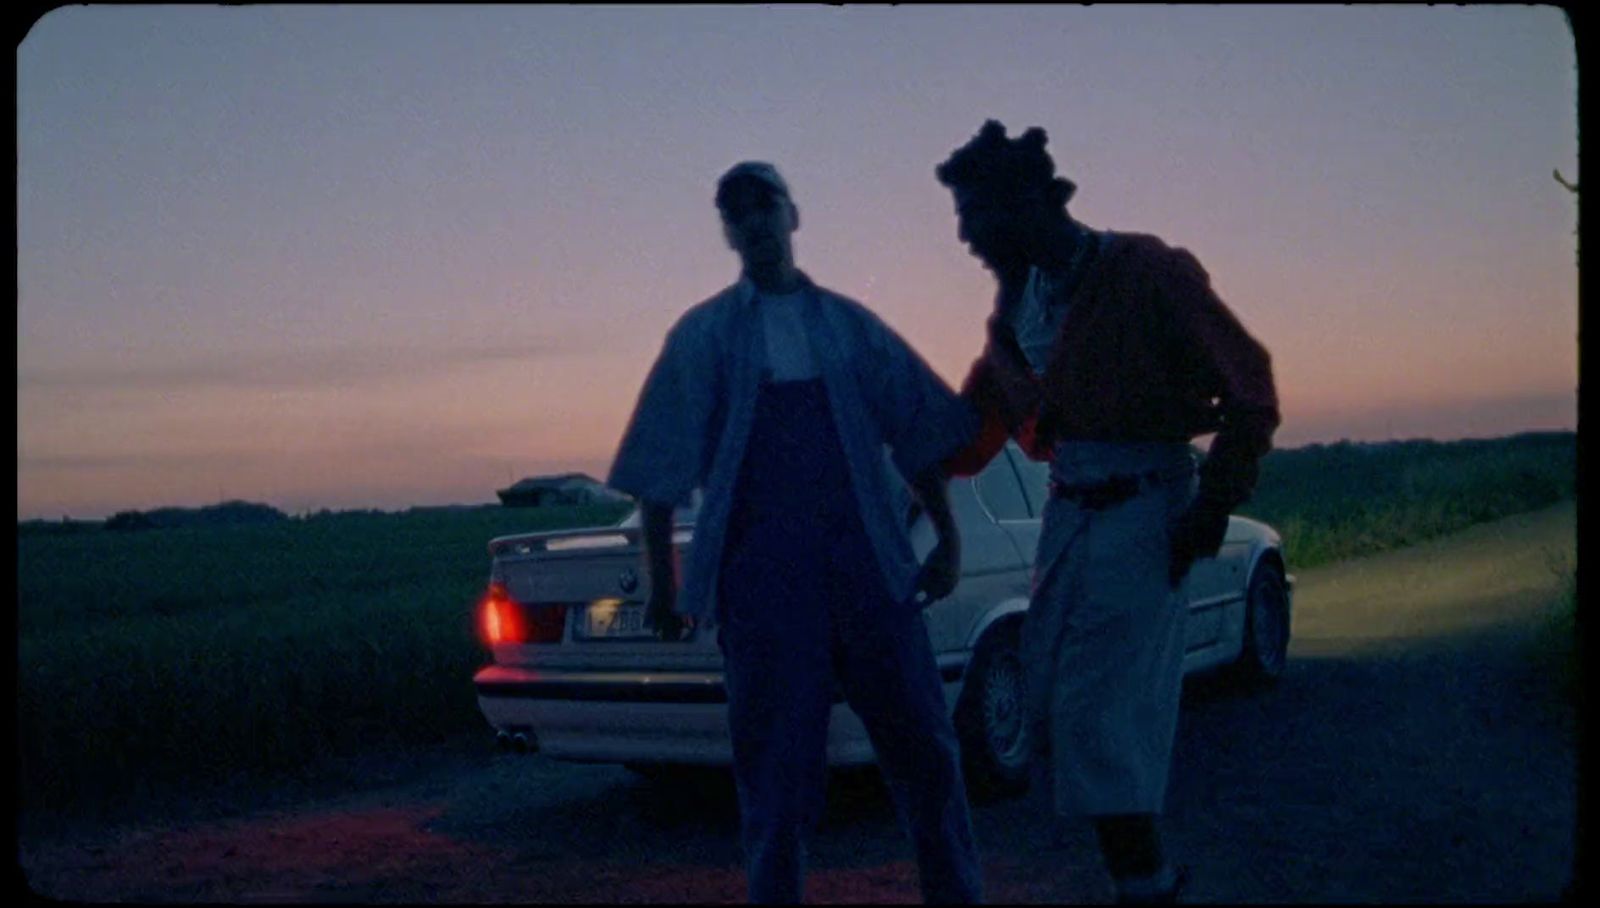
<point>1417,749</point>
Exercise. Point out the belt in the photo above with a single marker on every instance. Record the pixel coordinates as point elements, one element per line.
<point>1113,490</point>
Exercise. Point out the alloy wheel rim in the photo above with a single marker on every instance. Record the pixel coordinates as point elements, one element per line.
<point>1270,632</point>
<point>1002,710</point>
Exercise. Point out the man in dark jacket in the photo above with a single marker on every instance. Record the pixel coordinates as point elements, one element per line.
<point>1107,354</point>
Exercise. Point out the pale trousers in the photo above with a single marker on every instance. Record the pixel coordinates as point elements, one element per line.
<point>1102,644</point>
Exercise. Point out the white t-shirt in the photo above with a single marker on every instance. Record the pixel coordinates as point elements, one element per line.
<point>788,352</point>
<point>1036,322</point>
<point>1037,318</point>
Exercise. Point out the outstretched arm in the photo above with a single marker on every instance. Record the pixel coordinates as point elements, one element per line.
<point>1005,396</point>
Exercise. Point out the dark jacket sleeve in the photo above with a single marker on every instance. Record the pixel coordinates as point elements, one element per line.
<point>1006,398</point>
<point>1240,369</point>
<point>991,434</point>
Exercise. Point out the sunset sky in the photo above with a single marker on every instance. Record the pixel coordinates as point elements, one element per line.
<point>371,256</point>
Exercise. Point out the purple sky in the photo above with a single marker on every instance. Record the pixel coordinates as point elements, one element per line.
<point>378,256</point>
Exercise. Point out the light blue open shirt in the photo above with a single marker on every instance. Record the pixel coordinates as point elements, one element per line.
<point>697,406</point>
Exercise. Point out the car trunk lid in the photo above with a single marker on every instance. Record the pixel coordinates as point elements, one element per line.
<point>597,575</point>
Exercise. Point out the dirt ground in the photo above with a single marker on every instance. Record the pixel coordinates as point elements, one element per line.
<point>1417,749</point>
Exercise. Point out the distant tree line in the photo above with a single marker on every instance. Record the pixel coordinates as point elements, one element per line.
<point>1324,460</point>
<point>228,513</point>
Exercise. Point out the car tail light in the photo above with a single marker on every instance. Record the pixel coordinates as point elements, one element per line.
<point>505,620</point>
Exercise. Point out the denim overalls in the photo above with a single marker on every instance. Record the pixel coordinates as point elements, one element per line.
<point>803,613</point>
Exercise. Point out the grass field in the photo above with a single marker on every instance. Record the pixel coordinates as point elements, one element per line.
<point>1332,502</point>
<point>185,656</point>
<point>182,656</point>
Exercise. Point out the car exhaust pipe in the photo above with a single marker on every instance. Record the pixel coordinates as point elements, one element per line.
<point>519,743</point>
<point>502,740</point>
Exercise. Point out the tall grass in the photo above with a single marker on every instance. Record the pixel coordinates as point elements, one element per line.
<point>1339,501</point>
<point>68,581</point>
<point>183,656</point>
<point>176,657</point>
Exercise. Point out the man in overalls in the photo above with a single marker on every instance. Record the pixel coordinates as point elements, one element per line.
<point>1107,354</point>
<point>777,398</point>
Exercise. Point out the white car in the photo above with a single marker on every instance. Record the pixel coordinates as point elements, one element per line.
<point>576,674</point>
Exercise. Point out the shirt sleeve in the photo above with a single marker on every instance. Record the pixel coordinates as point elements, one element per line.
<point>921,418</point>
<point>1005,398</point>
<point>1242,371</point>
<point>663,451</point>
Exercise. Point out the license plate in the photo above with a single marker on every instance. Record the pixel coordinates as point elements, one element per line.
<point>612,620</point>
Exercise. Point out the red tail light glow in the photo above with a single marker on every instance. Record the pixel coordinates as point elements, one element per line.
<point>505,620</point>
<point>500,614</point>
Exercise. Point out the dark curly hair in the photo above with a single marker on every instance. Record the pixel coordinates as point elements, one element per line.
<point>990,162</point>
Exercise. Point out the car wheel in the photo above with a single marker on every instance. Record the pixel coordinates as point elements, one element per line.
<point>1266,627</point>
<point>995,744</point>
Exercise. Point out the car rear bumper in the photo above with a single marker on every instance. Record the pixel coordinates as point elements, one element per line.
<point>650,717</point>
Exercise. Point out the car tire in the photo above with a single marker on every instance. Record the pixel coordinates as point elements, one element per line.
<point>995,745</point>
<point>1265,652</point>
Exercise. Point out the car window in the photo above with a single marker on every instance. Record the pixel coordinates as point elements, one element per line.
<point>998,489</point>
<point>1035,478</point>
